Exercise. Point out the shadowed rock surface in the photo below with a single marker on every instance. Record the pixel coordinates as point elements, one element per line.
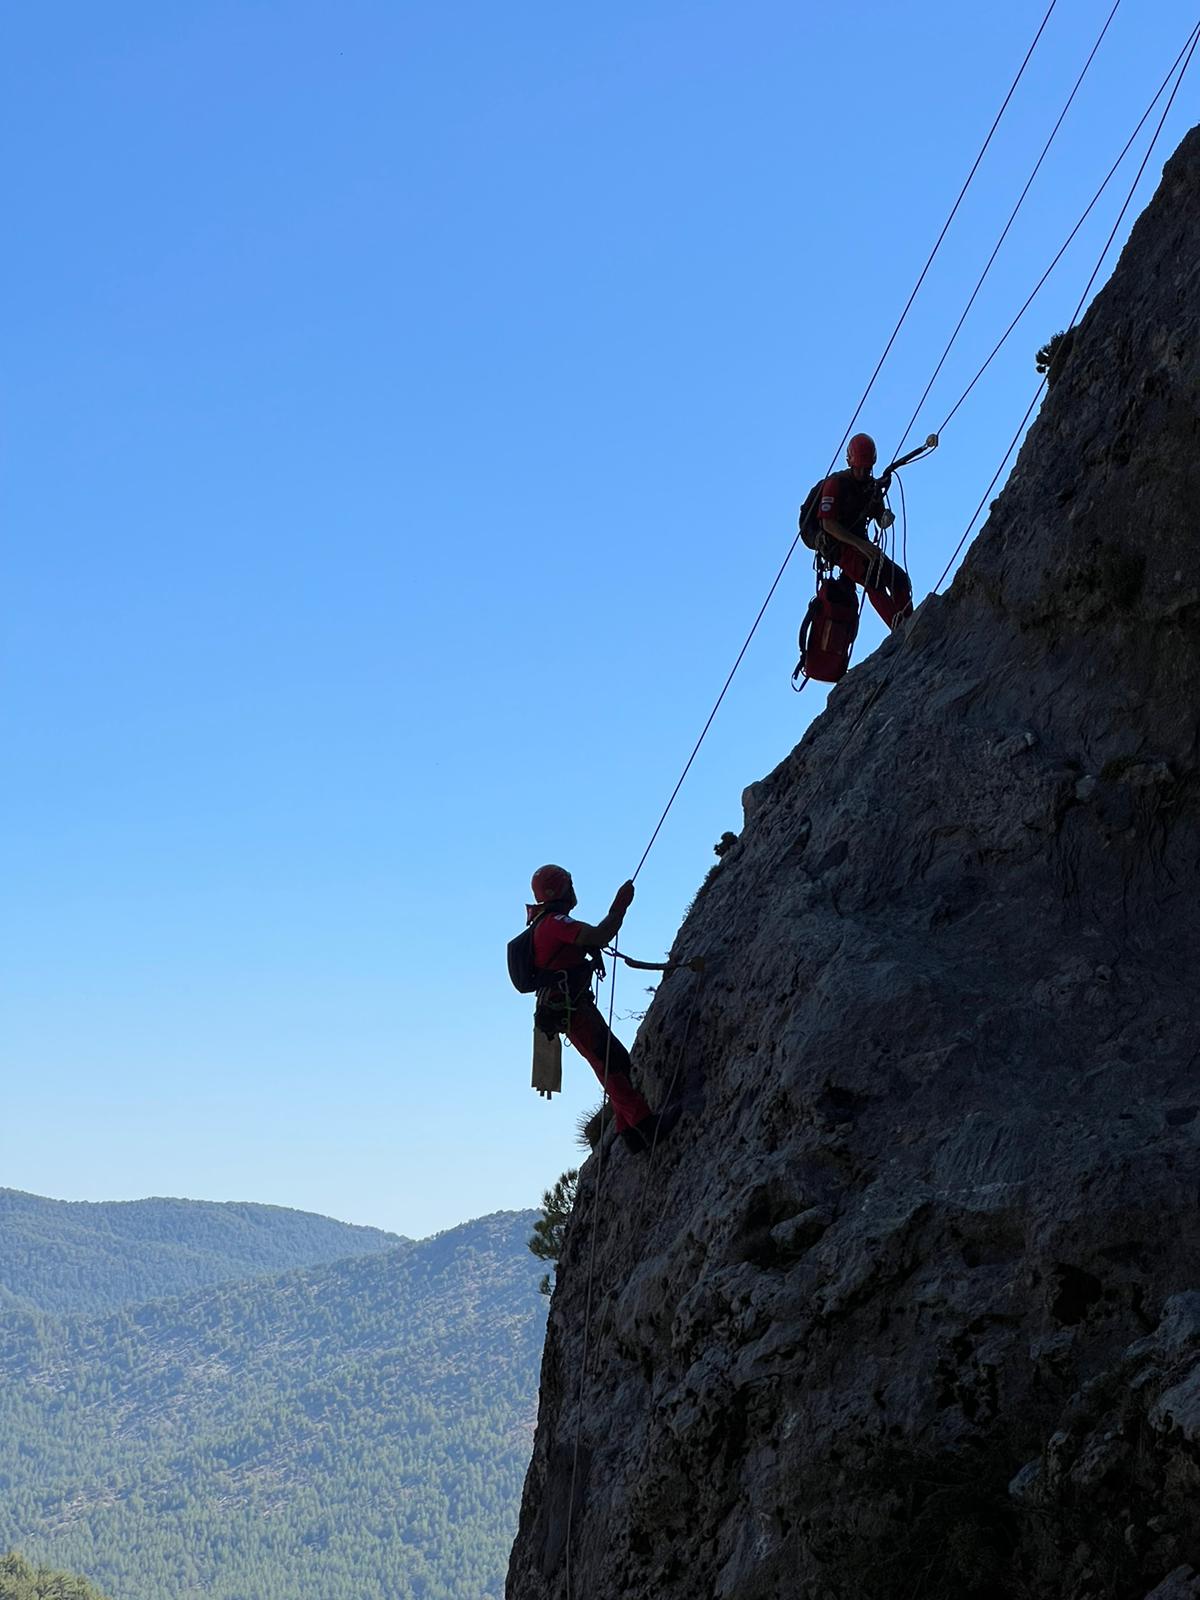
<point>910,1304</point>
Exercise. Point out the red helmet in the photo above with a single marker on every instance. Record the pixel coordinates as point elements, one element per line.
<point>861,452</point>
<point>550,883</point>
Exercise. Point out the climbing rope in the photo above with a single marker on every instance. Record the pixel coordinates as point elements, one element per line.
<point>712,716</point>
<point>1185,57</point>
<point>862,401</point>
<point>1087,211</point>
<point>903,523</point>
<point>1012,89</point>
<point>667,1098</point>
<point>587,1314</point>
<point>591,1273</point>
<point>1182,62</point>
<point>680,1054</point>
<point>1012,217</point>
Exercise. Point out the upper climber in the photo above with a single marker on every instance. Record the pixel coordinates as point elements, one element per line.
<point>563,945</point>
<point>848,502</point>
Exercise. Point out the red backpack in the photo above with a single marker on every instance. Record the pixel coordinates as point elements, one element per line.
<point>828,632</point>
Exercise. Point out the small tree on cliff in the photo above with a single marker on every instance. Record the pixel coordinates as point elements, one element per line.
<point>1052,356</point>
<point>546,1241</point>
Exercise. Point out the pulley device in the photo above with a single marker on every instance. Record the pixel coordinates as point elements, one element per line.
<point>885,477</point>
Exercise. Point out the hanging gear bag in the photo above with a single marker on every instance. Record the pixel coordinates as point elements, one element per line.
<point>828,632</point>
<point>546,1077</point>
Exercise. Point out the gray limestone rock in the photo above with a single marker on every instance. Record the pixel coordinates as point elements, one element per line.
<point>909,1305</point>
<point>1182,1584</point>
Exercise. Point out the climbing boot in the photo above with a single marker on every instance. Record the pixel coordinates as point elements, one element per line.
<point>633,1139</point>
<point>654,1129</point>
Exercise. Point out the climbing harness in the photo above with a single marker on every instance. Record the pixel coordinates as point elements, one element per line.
<point>559,993</point>
<point>557,1000</point>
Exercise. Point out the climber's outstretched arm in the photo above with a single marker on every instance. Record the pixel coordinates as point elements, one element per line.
<point>604,932</point>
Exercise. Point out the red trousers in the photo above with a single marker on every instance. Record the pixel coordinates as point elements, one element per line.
<point>889,590</point>
<point>591,1036</point>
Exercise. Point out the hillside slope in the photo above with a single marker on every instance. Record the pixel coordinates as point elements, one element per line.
<point>356,1431</point>
<point>910,1305</point>
<point>80,1255</point>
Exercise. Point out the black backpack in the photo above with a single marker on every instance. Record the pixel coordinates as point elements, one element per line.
<point>810,522</point>
<point>526,977</point>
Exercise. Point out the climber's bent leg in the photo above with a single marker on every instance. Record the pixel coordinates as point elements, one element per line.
<point>887,586</point>
<point>591,1036</point>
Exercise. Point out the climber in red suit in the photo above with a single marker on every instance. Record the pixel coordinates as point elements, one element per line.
<point>849,501</point>
<point>561,944</point>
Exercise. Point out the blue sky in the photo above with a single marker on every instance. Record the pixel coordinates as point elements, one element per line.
<point>406,408</point>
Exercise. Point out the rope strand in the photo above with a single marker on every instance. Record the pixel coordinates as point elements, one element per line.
<point>946,225</point>
<point>1087,211</point>
<point>1012,217</point>
<point>1186,57</point>
<point>587,1309</point>
<point>862,401</point>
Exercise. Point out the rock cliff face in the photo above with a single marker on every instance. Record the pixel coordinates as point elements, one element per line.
<point>910,1304</point>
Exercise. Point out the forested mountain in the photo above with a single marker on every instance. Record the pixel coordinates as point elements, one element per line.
<point>353,1431</point>
<point>75,1255</point>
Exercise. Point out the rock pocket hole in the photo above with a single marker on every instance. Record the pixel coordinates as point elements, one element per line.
<point>1078,1292</point>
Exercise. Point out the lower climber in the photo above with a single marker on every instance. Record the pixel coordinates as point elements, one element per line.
<point>849,501</point>
<point>563,945</point>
